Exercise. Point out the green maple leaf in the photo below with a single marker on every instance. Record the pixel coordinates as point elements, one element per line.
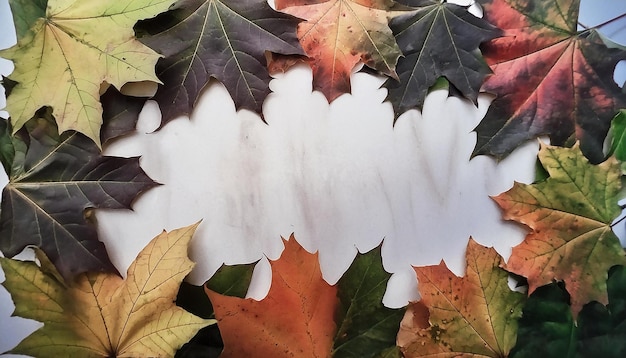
<point>548,330</point>
<point>224,39</point>
<point>103,315</point>
<point>53,183</point>
<point>304,315</point>
<point>549,79</point>
<point>437,39</point>
<point>570,215</point>
<point>69,51</point>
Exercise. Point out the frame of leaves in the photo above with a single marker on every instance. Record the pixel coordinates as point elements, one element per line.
<point>548,78</point>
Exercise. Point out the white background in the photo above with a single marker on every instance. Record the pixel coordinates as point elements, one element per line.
<point>339,176</point>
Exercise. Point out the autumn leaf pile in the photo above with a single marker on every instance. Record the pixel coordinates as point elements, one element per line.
<point>78,61</point>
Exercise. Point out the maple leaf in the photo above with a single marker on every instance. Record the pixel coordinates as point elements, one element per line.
<point>549,79</point>
<point>338,34</point>
<point>437,39</point>
<point>547,328</point>
<point>73,48</point>
<point>303,315</point>
<point>473,315</point>
<point>225,39</point>
<point>103,315</point>
<point>570,214</point>
<point>53,183</point>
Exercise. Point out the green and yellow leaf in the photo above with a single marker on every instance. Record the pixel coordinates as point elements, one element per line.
<point>103,315</point>
<point>68,53</point>
<point>569,215</point>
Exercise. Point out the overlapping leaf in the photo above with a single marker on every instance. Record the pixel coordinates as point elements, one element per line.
<point>570,214</point>
<point>64,57</point>
<point>475,315</point>
<point>618,136</point>
<point>224,39</point>
<point>338,34</point>
<point>437,39</point>
<point>53,181</point>
<point>304,316</point>
<point>103,315</point>
<point>548,78</point>
<point>548,330</point>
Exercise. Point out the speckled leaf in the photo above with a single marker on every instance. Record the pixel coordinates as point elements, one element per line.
<point>338,34</point>
<point>549,79</point>
<point>471,316</point>
<point>51,188</point>
<point>569,215</point>
<point>69,52</point>
<point>103,315</point>
<point>224,39</point>
<point>437,39</point>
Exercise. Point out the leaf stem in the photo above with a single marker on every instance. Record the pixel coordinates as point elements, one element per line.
<point>609,21</point>
<point>618,221</point>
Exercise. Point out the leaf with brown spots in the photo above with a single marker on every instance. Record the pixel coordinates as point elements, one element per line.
<point>570,216</point>
<point>303,316</point>
<point>549,78</point>
<point>338,34</point>
<point>469,316</point>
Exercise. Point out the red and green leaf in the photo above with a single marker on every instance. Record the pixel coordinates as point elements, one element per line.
<point>548,78</point>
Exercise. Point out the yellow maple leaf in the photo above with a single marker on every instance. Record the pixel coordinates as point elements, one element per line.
<point>69,53</point>
<point>103,315</point>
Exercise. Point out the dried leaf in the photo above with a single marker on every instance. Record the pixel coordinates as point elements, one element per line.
<point>70,51</point>
<point>102,315</point>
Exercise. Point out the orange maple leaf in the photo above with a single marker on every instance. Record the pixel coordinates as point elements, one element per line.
<point>295,319</point>
<point>338,34</point>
